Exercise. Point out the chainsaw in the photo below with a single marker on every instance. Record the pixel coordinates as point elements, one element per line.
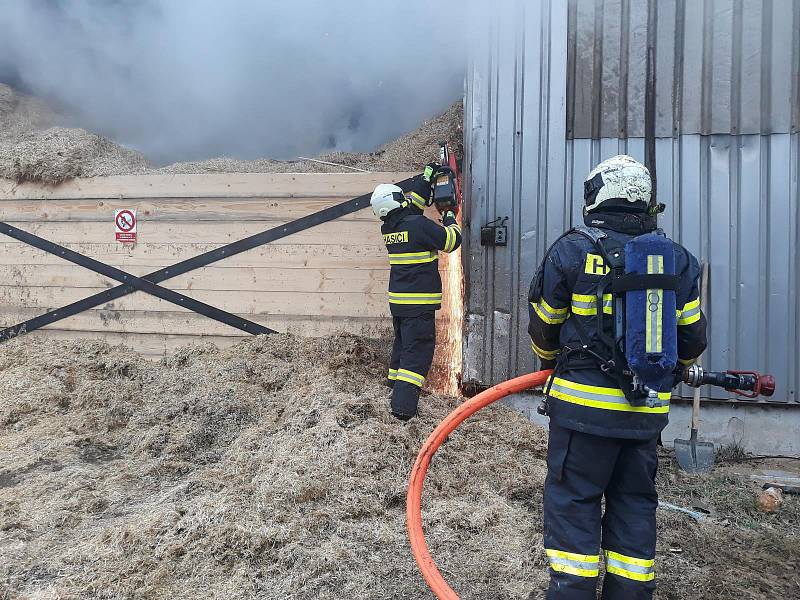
<point>446,193</point>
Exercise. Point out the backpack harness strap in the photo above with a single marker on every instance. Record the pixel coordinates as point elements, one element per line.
<point>611,357</point>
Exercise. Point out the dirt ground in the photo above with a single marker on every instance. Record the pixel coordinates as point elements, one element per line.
<point>273,470</point>
<point>36,146</point>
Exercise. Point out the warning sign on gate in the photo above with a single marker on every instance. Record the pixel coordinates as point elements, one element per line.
<point>125,224</point>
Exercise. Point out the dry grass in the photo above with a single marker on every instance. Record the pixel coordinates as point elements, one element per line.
<point>273,470</point>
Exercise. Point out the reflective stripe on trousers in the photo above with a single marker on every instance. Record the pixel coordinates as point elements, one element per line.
<point>630,567</point>
<point>588,565</point>
<point>410,377</point>
<point>415,298</point>
<point>580,565</point>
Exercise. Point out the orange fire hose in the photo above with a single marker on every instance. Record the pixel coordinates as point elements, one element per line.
<point>416,535</point>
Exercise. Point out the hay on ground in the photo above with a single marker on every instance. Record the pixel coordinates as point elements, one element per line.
<point>273,470</point>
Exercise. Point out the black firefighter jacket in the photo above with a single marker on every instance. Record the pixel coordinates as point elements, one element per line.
<point>563,294</point>
<point>413,242</point>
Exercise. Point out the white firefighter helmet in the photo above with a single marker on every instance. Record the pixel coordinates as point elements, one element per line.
<point>386,198</point>
<point>617,178</point>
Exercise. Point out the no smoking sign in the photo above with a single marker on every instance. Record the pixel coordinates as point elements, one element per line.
<point>125,224</point>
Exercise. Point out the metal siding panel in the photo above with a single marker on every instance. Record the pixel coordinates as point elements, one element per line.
<point>747,202</point>
<point>666,181</point>
<point>793,382</point>
<point>611,93</point>
<point>478,107</point>
<point>691,195</point>
<point>637,66</point>
<point>512,153</point>
<point>720,67</point>
<point>723,67</point>
<point>506,153</point>
<point>532,178</point>
<point>750,77</point>
<point>780,46</point>
<point>582,163</point>
<point>692,57</point>
<point>718,227</point>
<point>667,39</point>
<point>795,72</point>
<point>553,193</point>
<point>782,236</point>
<point>583,69</point>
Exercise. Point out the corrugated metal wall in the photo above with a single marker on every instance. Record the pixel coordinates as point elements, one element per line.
<point>722,66</point>
<point>732,199</point>
<point>515,138</point>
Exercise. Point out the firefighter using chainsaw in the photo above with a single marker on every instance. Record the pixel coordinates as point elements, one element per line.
<point>614,310</point>
<point>415,289</point>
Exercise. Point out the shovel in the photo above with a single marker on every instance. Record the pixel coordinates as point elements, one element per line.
<point>695,456</point>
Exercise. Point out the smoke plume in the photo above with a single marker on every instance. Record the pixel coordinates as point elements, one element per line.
<point>192,79</point>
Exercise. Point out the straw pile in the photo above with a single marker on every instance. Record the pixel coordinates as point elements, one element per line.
<point>34,147</point>
<point>273,470</point>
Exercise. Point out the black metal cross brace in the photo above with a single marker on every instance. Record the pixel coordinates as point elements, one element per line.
<point>148,283</point>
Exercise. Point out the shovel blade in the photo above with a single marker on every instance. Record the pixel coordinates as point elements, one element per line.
<point>694,456</point>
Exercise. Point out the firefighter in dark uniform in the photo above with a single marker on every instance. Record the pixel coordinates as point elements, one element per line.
<point>600,445</point>
<point>415,287</point>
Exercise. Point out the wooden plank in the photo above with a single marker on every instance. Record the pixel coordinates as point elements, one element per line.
<point>173,209</point>
<point>295,256</point>
<point>230,185</point>
<point>366,233</point>
<point>209,278</point>
<point>186,323</point>
<point>335,304</point>
<point>155,256</point>
<point>152,346</point>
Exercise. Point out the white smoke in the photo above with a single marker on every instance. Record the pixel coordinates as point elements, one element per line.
<point>191,79</point>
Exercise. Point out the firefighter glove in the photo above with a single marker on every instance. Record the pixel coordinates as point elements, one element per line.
<point>430,171</point>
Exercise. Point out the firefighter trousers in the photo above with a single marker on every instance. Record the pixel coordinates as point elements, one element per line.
<point>581,470</point>
<point>412,355</point>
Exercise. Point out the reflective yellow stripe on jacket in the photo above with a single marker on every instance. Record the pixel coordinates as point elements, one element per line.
<point>548,314</point>
<point>545,354</point>
<point>412,258</point>
<point>417,200</point>
<point>690,313</point>
<point>414,298</point>
<point>586,305</point>
<point>601,397</point>
<point>452,237</point>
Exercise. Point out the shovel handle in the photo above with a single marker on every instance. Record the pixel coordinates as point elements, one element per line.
<point>703,303</point>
